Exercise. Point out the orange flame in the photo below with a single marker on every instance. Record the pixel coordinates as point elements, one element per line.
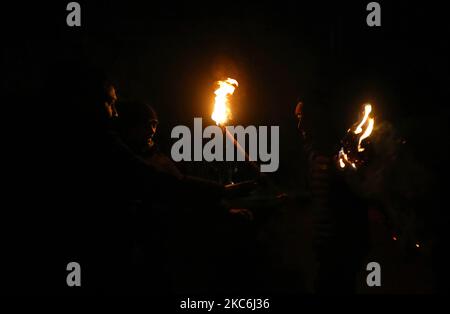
<point>368,122</point>
<point>343,160</point>
<point>222,113</point>
<point>367,111</point>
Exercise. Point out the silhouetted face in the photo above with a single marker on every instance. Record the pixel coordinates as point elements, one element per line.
<point>152,127</point>
<point>110,101</point>
<point>141,135</point>
<point>111,95</point>
<point>138,124</point>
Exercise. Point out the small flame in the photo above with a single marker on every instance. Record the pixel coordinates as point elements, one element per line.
<point>366,133</point>
<point>343,160</point>
<point>370,123</point>
<point>222,112</point>
<point>341,163</point>
<point>365,127</point>
<point>367,111</point>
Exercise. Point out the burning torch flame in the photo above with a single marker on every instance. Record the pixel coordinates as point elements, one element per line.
<point>367,111</point>
<point>367,121</point>
<point>222,112</point>
<point>370,124</point>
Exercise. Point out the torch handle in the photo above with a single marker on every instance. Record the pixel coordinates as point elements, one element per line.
<point>242,150</point>
<point>262,178</point>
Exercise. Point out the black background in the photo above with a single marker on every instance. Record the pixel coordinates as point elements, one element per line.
<point>170,54</point>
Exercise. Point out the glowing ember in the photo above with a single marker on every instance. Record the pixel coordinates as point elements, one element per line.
<point>222,112</point>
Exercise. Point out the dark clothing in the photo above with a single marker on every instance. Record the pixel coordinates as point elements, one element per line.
<point>137,199</point>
